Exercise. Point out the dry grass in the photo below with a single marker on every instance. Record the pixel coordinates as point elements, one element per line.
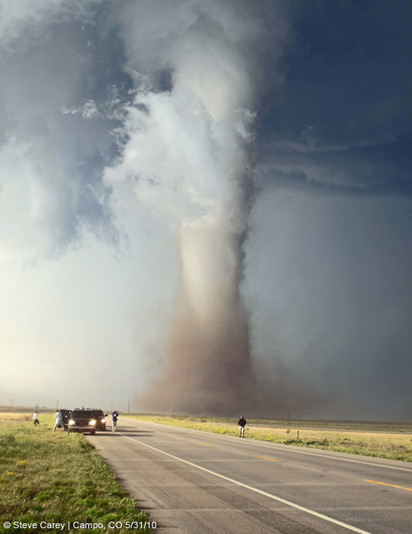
<point>7,419</point>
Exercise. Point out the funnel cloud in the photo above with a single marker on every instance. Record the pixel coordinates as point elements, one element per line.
<point>190,149</point>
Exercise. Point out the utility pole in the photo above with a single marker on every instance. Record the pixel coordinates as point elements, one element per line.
<point>128,407</point>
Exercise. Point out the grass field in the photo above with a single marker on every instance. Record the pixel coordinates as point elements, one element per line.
<point>56,478</point>
<point>381,440</point>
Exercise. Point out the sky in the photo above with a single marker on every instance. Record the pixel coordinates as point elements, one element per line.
<point>199,189</point>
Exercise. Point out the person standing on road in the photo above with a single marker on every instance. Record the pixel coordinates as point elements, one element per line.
<point>58,420</point>
<point>36,418</point>
<point>242,423</point>
<point>115,416</point>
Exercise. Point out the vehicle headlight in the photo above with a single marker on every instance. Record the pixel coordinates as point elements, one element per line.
<point>71,422</point>
<point>93,422</point>
<point>103,420</point>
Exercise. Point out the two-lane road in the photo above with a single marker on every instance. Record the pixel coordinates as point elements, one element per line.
<point>195,482</point>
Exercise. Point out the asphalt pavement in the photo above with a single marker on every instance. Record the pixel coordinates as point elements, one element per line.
<point>194,482</point>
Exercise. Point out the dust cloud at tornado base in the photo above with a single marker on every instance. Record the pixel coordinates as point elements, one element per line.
<point>210,368</point>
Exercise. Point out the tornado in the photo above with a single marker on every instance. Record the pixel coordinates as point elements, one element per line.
<point>210,368</point>
<point>188,155</point>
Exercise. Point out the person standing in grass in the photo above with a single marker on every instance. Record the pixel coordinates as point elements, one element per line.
<point>242,423</point>
<point>58,420</point>
<point>115,416</point>
<point>36,418</point>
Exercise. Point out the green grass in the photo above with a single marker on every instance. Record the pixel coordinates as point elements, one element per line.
<point>381,440</point>
<point>56,477</point>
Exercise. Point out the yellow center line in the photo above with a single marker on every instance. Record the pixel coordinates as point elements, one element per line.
<point>175,437</point>
<point>390,485</point>
<point>206,444</point>
<point>265,458</point>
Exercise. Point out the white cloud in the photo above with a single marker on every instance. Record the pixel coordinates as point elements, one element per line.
<point>32,18</point>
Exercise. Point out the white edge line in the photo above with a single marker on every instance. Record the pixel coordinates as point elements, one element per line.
<point>279,499</point>
<point>287,448</point>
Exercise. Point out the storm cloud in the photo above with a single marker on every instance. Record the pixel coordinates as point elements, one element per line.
<point>278,134</point>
